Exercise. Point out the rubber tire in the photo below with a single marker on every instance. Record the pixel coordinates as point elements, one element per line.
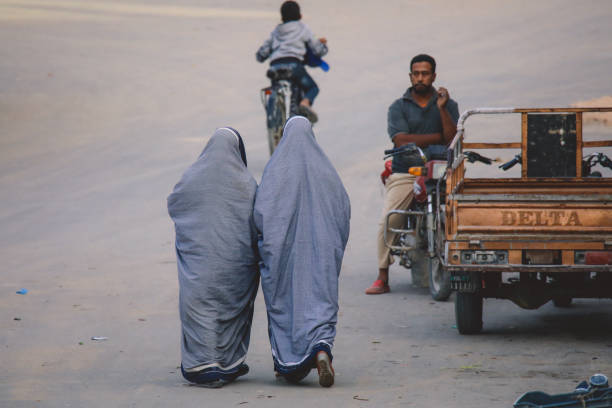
<point>275,121</point>
<point>564,301</point>
<point>468,312</point>
<point>439,281</point>
<point>274,136</point>
<point>419,268</point>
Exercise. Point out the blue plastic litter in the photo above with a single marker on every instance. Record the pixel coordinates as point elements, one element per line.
<point>22,291</point>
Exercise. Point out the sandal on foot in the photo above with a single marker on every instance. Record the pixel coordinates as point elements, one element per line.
<point>325,369</point>
<point>378,288</point>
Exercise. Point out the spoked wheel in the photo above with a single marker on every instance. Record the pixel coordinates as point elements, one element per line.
<point>439,280</point>
<point>419,259</point>
<point>468,312</point>
<point>419,268</point>
<point>274,136</point>
<point>275,119</point>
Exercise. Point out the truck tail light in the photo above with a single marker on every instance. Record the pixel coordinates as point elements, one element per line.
<point>593,257</point>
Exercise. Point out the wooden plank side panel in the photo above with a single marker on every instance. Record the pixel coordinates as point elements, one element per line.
<point>534,218</point>
<point>549,232</point>
<point>579,144</point>
<point>598,143</point>
<point>565,110</point>
<point>566,181</point>
<point>453,232</point>
<point>516,145</point>
<point>515,257</point>
<point>534,186</point>
<point>567,257</point>
<point>524,145</point>
<point>521,245</point>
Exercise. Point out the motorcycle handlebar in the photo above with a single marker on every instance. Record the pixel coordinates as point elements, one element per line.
<point>592,160</point>
<point>605,161</point>
<point>474,157</point>
<point>511,163</point>
<point>402,149</point>
<point>407,148</point>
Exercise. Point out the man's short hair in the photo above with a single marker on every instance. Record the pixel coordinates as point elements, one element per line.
<point>290,11</point>
<point>424,58</point>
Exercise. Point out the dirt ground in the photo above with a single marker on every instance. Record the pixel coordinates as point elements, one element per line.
<point>104,104</point>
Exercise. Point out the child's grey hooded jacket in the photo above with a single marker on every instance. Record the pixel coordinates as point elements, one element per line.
<point>289,40</point>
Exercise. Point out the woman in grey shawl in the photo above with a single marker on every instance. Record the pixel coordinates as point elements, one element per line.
<point>216,251</point>
<point>302,212</point>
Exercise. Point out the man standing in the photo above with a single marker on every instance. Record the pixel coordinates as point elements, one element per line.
<point>424,116</point>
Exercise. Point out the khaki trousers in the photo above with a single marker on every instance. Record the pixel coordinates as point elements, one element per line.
<point>398,196</point>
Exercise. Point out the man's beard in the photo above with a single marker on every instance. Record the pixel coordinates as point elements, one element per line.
<point>422,89</point>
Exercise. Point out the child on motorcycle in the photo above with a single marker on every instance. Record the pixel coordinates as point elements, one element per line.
<point>287,46</point>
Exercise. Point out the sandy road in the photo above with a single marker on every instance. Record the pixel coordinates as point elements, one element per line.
<point>103,105</point>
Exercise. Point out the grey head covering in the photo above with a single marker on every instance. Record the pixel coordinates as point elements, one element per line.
<point>216,251</point>
<point>302,212</point>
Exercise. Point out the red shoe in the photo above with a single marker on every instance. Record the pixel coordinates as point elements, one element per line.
<point>325,369</point>
<point>378,288</point>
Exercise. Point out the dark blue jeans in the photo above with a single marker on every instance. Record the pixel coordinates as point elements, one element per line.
<point>300,77</point>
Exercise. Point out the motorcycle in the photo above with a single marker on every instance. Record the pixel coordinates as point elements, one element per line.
<point>419,242</point>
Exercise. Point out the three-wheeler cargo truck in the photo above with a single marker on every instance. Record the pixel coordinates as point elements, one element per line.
<point>546,235</point>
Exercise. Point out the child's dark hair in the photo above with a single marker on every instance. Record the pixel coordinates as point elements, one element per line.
<point>290,11</point>
<point>424,58</point>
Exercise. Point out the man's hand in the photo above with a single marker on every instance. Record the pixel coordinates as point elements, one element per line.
<point>449,127</point>
<point>323,40</point>
<point>443,97</point>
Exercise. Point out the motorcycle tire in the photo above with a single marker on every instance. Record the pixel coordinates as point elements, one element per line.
<point>419,268</point>
<point>439,280</point>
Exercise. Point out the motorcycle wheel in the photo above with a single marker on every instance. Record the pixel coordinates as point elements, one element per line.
<point>439,280</point>
<point>419,268</point>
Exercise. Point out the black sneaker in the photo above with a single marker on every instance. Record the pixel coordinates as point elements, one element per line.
<point>308,113</point>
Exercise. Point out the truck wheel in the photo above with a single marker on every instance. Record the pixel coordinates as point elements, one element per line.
<point>468,312</point>
<point>562,301</point>
<point>439,280</point>
<point>419,268</point>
